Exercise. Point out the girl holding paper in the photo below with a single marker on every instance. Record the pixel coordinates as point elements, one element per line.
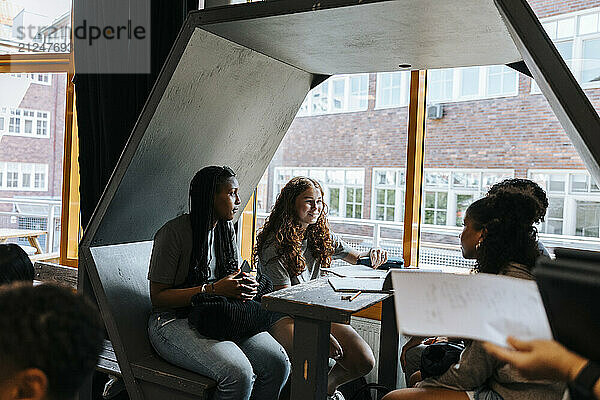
<point>292,247</point>
<point>499,234</point>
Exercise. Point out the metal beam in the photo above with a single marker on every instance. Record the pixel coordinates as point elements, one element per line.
<point>573,109</point>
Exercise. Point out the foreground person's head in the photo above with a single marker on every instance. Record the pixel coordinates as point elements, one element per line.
<point>50,339</point>
<point>15,265</point>
<point>498,230</point>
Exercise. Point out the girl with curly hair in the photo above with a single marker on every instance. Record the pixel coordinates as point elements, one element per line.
<point>292,247</point>
<point>499,234</point>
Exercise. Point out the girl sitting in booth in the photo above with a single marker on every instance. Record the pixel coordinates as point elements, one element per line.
<point>499,234</point>
<point>197,253</point>
<point>292,247</point>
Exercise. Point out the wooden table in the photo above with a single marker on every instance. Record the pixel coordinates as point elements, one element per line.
<point>31,236</point>
<point>314,306</point>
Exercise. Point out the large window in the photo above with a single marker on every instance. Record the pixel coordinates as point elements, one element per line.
<point>577,38</point>
<point>458,84</point>
<point>392,89</point>
<point>573,199</point>
<point>343,187</point>
<point>388,194</point>
<point>340,93</point>
<point>24,122</point>
<point>448,193</point>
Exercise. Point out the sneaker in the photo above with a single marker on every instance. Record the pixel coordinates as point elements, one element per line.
<point>337,395</point>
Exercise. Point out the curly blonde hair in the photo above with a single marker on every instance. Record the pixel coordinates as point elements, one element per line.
<point>283,230</point>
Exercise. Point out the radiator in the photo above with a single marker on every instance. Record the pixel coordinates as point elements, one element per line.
<point>369,330</point>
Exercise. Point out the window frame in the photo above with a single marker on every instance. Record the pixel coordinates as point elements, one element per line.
<point>306,108</point>
<point>47,63</point>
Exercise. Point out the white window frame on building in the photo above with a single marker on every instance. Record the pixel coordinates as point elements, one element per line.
<point>453,83</point>
<point>323,100</point>
<point>589,192</point>
<point>577,28</point>
<point>329,178</point>
<point>394,180</point>
<point>18,181</point>
<point>16,121</point>
<point>390,95</point>
<point>445,180</point>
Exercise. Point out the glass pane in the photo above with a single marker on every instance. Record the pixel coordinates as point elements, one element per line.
<point>588,215</point>
<point>557,183</point>
<point>358,195</point>
<point>30,163</point>
<point>429,199</point>
<point>441,218</point>
<point>442,200</point>
<point>354,177</point>
<point>335,176</point>
<point>385,178</point>
<point>462,203</point>
<point>555,207</point>
<point>358,211</point>
<point>338,94</point>
<point>389,214</point>
<point>349,211</point>
<point>429,217</point>
<point>588,24</point>
<point>334,201</point>
<point>35,26</point>
<point>565,28</point>
<point>591,61</point>
<point>350,195</point>
<point>390,197</point>
<point>565,49</point>
<point>554,227</point>
<point>380,196</point>
<point>469,81</point>
<point>379,213</point>
<point>579,183</point>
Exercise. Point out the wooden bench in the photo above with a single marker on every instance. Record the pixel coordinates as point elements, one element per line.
<point>117,274</point>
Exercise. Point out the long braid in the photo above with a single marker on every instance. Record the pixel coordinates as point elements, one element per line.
<point>203,188</point>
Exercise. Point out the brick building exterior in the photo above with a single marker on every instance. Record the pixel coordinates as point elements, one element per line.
<point>30,147</point>
<point>510,132</point>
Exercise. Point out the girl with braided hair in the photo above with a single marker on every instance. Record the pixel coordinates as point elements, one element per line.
<point>292,247</point>
<point>197,253</point>
<point>499,234</point>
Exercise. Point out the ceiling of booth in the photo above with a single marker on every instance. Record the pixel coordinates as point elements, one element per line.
<point>379,36</point>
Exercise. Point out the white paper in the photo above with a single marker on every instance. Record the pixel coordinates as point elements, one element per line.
<point>476,306</point>
<point>356,271</point>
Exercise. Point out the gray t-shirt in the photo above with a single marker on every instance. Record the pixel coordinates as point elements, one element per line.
<point>270,264</point>
<point>172,251</point>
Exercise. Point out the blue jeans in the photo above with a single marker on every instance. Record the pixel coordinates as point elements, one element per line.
<point>256,366</point>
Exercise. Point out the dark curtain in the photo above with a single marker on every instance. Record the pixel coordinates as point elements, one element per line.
<point>108,105</point>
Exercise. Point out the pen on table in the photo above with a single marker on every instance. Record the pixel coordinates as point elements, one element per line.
<point>355,296</point>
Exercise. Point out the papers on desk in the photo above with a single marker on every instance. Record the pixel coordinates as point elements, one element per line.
<point>354,278</point>
<point>356,284</point>
<point>477,306</point>
<point>356,271</point>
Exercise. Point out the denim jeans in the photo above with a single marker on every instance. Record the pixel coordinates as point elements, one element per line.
<point>256,368</point>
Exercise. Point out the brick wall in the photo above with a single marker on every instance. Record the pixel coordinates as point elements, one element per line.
<point>49,150</point>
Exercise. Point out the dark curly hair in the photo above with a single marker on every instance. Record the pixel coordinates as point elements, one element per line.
<point>507,219</point>
<point>50,328</point>
<point>282,230</point>
<point>15,265</point>
<point>524,186</point>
